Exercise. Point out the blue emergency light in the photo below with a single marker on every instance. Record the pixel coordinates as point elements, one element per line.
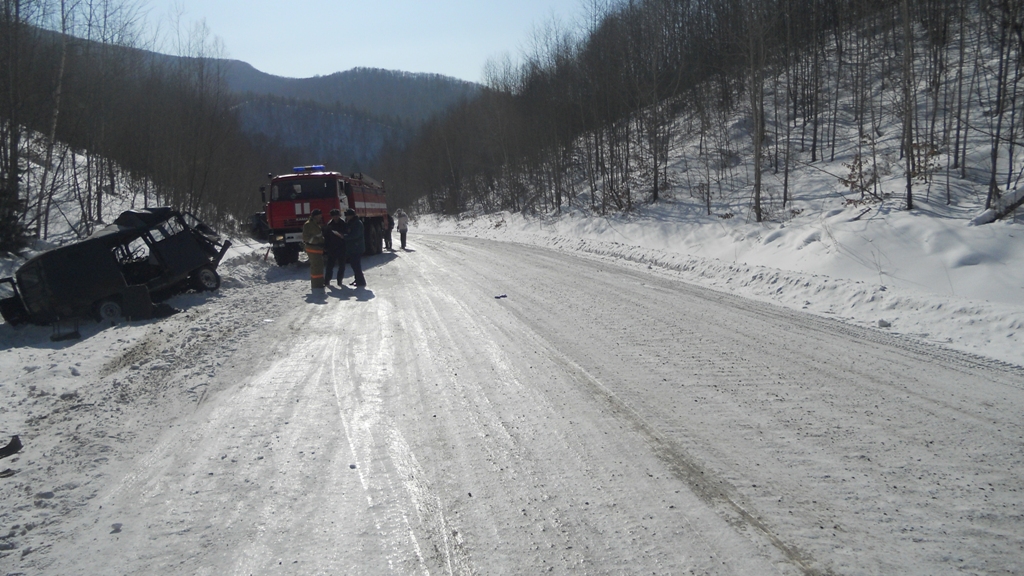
<point>301,169</point>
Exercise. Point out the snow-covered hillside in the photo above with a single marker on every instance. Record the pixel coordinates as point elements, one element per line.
<point>944,271</point>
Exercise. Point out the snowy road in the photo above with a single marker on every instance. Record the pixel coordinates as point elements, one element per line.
<point>599,418</point>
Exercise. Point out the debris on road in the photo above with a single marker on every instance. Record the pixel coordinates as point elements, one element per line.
<point>12,448</point>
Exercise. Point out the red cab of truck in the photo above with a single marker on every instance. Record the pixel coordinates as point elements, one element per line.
<point>293,196</point>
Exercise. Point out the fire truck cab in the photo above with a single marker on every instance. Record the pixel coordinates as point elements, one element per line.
<point>294,196</point>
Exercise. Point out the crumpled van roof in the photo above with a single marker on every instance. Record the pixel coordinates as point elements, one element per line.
<point>135,221</point>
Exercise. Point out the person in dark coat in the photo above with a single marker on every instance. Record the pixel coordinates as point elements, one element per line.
<point>389,225</point>
<point>355,245</point>
<point>334,234</point>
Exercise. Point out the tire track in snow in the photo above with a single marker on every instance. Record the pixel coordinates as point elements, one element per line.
<point>480,330</point>
<point>360,411</point>
<point>702,481</point>
<point>359,376</point>
<point>834,450</point>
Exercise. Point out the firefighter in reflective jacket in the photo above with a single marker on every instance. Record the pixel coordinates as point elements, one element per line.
<point>313,243</point>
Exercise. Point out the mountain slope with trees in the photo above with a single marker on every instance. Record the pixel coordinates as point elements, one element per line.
<point>90,119</point>
<point>85,117</point>
<point>387,94</point>
<point>719,101</point>
<point>343,120</point>
<point>343,137</point>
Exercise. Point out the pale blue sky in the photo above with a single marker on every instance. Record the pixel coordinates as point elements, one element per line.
<point>304,38</point>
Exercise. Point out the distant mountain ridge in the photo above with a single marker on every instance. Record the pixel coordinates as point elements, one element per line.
<point>410,97</point>
<point>341,137</point>
<point>343,120</point>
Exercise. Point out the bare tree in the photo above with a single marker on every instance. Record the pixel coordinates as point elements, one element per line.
<point>909,99</point>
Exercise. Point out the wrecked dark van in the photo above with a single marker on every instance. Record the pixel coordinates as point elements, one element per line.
<point>143,257</point>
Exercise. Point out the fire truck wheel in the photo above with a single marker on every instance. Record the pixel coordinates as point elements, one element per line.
<point>378,243</point>
<point>205,280</point>
<point>280,256</point>
<point>285,255</point>
<point>374,237</point>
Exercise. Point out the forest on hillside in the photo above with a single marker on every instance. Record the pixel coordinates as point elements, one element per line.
<point>87,115</point>
<point>595,118</point>
<point>390,95</point>
<point>92,118</point>
<point>343,137</point>
<point>715,102</point>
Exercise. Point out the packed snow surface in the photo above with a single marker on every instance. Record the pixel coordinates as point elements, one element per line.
<point>925,273</point>
<point>584,406</point>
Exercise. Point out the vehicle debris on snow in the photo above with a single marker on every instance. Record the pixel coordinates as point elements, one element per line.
<point>144,257</point>
<point>12,448</point>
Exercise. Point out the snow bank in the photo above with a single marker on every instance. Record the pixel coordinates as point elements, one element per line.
<point>925,274</point>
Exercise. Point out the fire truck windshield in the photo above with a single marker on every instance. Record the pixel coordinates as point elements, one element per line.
<point>304,189</point>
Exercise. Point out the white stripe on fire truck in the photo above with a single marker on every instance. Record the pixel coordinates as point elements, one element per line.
<point>368,205</point>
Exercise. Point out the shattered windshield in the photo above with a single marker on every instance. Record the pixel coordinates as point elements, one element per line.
<point>196,224</point>
<point>304,189</point>
<point>166,229</point>
<point>134,251</point>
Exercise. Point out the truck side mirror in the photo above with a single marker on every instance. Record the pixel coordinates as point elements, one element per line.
<point>263,194</point>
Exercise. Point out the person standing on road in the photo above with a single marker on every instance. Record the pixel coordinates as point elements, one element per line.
<point>355,245</point>
<point>313,243</point>
<point>389,225</point>
<point>403,224</point>
<point>334,235</point>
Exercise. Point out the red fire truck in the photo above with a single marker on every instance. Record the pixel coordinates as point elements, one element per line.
<point>294,196</point>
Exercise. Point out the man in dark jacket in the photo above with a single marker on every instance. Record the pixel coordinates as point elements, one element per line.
<point>334,234</point>
<point>355,245</point>
<point>389,225</point>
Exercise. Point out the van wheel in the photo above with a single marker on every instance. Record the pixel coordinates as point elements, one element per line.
<point>13,311</point>
<point>108,311</point>
<point>205,280</point>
